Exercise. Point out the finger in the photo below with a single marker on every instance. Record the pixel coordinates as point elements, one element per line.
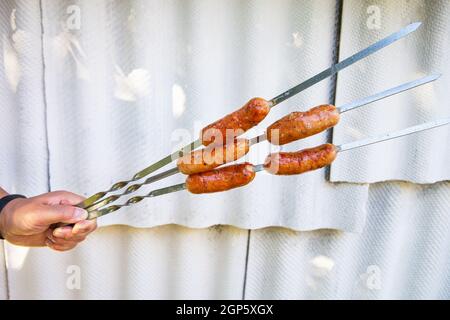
<point>49,235</point>
<point>84,227</point>
<point>58,246</point>
<point>64,242</point>
<point>60,197</point>
<point>50,214</point>
<point>66,233</point>
<point>62,232</point>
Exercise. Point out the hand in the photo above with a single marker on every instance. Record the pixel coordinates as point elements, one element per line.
<point>26,222</point>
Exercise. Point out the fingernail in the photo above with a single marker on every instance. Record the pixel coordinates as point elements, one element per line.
<point>77,229</point>
<point>80,214</point>
<point>58,233</point>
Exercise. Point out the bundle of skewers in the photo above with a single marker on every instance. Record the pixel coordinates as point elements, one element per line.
<point>206,167</point>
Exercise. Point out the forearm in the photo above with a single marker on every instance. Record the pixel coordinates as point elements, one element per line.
<point>3,193</point>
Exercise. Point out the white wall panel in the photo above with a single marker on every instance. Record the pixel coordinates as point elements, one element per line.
<point>125,263</point>
<point>420,158</point>
<point>23,156</point>
<point>402,253</point>
<point>182,69</point>
<point>133,72</point>
<point>3,274</point>
<point>23,159</point>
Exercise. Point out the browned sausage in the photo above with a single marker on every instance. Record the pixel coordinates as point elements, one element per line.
<point>286,163</point>
<point>252,113</point>
<point>212,156</point>
<point>299,125</point>
<point>221,179</point>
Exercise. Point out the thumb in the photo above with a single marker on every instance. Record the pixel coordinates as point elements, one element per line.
<point>52,214</point>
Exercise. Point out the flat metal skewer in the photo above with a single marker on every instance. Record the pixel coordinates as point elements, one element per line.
<point>393,135</point>
<point>347,62</point>
<point>260,167</point>
<point>389,92</point>
<point>344,108</point>
<point>273,102</point>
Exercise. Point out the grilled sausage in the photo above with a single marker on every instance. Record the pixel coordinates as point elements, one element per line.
<point>212,156</point>
<point>221,179</point>
<point>287,163</point>
<point>299,125</point>
<point>236,123</point>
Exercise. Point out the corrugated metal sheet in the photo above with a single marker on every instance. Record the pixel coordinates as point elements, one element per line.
<point>402,253</point>
<point>3,274</point>
<point>23,156</point>
<point>194,70</point>
<point>123,263</point>
<point>97,136</point>
<point>420,158</point>
<point>23,160</point>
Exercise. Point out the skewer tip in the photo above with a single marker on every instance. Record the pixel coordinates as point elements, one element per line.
<point>432,77</point>
<point>436,76</point>
<point>413,26</point>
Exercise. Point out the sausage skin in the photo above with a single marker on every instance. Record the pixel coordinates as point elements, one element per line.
<point>299,125</point>
<point>212,156</point>
<point>287,163</point>
<point>252,113</point>
<point>221,179</point>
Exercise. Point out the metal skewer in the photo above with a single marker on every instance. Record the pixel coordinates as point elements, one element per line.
<point>344,108</point>
<point>273,102</point>
<point>260,167</point>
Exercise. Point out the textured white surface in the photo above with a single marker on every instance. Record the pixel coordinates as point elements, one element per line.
<point>3,274</point>
<point>107,125</point>
<point>420,158</point>
<point>403,252</point>
<point>123,263</point>
<point>23,158</point>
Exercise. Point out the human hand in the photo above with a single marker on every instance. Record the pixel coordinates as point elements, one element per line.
<point>27,222</point>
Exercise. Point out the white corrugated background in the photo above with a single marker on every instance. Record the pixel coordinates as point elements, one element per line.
<point>400,250</point>
<point>96,139</point>
<point>412,158</point>
<point>403,252</point>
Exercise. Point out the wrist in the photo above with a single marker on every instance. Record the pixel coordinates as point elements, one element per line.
<point>5,203</point>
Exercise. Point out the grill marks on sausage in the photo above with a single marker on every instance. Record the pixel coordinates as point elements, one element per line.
<point>236,123</point>
<point>200,164</point>
<point>288,163</point>
<point>212,156</point>
<point>281,163</point>
<point>299,125</point>
<point>221,179</point>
